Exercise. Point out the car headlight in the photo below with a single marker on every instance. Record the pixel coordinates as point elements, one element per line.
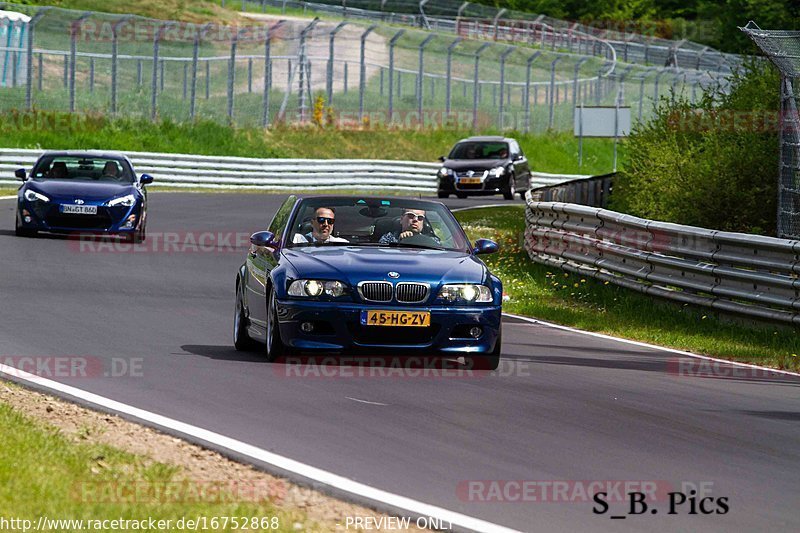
<point>465,293</point>
<point>498,171</point>
<point>313,288</point>
<point>33,196</point>
<point>444,171</point>
<point>124,201</point>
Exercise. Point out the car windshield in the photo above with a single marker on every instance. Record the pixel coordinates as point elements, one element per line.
<point>375,222</point>
<point>86,168</point>
<point>479,150</point>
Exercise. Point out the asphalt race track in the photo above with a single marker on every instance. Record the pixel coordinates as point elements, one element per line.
<point>563,407</point>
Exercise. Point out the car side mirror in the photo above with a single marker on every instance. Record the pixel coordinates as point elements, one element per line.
<point>442,158</point>
<point>145,179</point>
<point>20,174</point>
<point>264,239</point>
<point>485,246</point>
<point>517,157</point>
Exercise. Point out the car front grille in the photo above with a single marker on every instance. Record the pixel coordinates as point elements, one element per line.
<point>404,292</point>
<point>475,173</point>
<point>100,221</point>
<point>376,291</point>
<point>388,336</point>
<point>411,293</point>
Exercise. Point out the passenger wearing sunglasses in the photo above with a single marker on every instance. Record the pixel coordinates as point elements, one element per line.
<point>411,223</point>
<point>321,228</point>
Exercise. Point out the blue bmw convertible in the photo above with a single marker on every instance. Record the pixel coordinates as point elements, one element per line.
<point>86,192</point>
<point>342,274</point>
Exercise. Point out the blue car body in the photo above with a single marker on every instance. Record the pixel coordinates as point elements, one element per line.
<point>43,202</point>
<point>266,312</point>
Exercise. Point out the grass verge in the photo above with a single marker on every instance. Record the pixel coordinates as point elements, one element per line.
<point>588,304</point>
<point>45,474</point>
<point>555,153</point>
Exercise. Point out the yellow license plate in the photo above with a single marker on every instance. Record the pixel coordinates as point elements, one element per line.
<point>396,318</point>
<point>469,181</point>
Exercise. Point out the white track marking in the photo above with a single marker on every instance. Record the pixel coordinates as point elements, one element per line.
<point>365,401</point>
<point>652,346</point>
<point>304,471</point>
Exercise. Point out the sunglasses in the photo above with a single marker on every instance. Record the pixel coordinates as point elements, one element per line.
<point>325,220</point>
<point>414,216</point>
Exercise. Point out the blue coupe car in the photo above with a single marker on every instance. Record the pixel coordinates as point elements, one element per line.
<point>86,192</point>
<point>342,274</point>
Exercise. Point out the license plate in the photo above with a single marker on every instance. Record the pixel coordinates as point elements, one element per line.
<point>79,209</point>
<point>396,318</point>
<point>469,181</point>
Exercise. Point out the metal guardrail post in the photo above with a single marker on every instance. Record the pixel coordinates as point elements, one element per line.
<point>503,57</point>
<point>530,61</point>
<point>476,87</point>
<point>392,43</point>
<point>552,91</point>
<point>362,82</point>
<point>449,74</point>
<point>421,71</point>
<point>29,74</point>
<point>73,54</point>
<point>331,59</point>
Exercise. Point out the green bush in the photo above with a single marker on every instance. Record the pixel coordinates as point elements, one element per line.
<point>712,165</point>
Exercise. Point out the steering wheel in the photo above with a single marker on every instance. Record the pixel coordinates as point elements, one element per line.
<point>421,240</point>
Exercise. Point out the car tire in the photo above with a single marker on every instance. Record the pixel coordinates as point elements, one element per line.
<point>489,361</point>
<point>19,231</point>
<point>461,195</point>
<point>510,191</point>
<point>275,347</point>
<point>442,194</point>
<point>522,195</point>
<point>241,339</point>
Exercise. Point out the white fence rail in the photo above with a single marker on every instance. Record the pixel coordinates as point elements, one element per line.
<point>220,172</point>
<point>734,272</point>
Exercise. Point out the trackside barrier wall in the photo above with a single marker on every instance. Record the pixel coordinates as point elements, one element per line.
<point>594,191</point>
<point>218,172</point>
<point>732,272</point>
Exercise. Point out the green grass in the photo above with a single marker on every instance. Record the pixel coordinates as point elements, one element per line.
<point>51,130</point>
<point>43,473</point>
<point>583,302</point>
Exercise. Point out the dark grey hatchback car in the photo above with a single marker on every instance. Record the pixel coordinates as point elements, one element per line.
<point>484,165</point>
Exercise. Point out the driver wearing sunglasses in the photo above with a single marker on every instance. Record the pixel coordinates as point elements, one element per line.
<point>411,223</point>
<point>321,228</point>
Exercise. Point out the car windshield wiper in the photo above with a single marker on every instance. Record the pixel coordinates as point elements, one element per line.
<point>413,245</point>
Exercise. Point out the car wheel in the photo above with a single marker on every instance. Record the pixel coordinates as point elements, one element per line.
<point>461,195</point>
<point>275,346</point>
<point>510,191</point>
<point>522,195</point>
<point>19,231</point>
<point>489,361</point>
<point>442,194</point>
<point>241,339</point>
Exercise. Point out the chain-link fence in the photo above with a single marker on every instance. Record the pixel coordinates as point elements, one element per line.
<point>500,24</point>
<point>783,49</point>
<point>274,70</point>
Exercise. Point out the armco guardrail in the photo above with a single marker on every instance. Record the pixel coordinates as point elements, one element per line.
<point>732,272</point>
<point>593,191</point>
<point>220,172</point>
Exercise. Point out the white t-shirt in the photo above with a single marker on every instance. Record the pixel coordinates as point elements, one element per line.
<point>308,237</point>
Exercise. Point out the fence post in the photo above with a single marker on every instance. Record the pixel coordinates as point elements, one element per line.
<point>476,89</point>
<point>115,61</point>
<point>29,81</point>
<point>655,88</point>
<point>448,84</point>
<point>267,72</point>
<point>331,59</point>
<point>362,85</point>
<point>575,80</point>
<point>232,73</point>
<point>73,54</point>
<point>422,46</point>
<point>303,69</point>
<point>503,57</point>
<point>195,64</point>
<point>552,91</point>
<point>392,42</point>
<point>154,86</point>
<point>531,59</point>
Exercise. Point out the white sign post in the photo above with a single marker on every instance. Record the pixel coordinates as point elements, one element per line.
<point>601,122</point>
